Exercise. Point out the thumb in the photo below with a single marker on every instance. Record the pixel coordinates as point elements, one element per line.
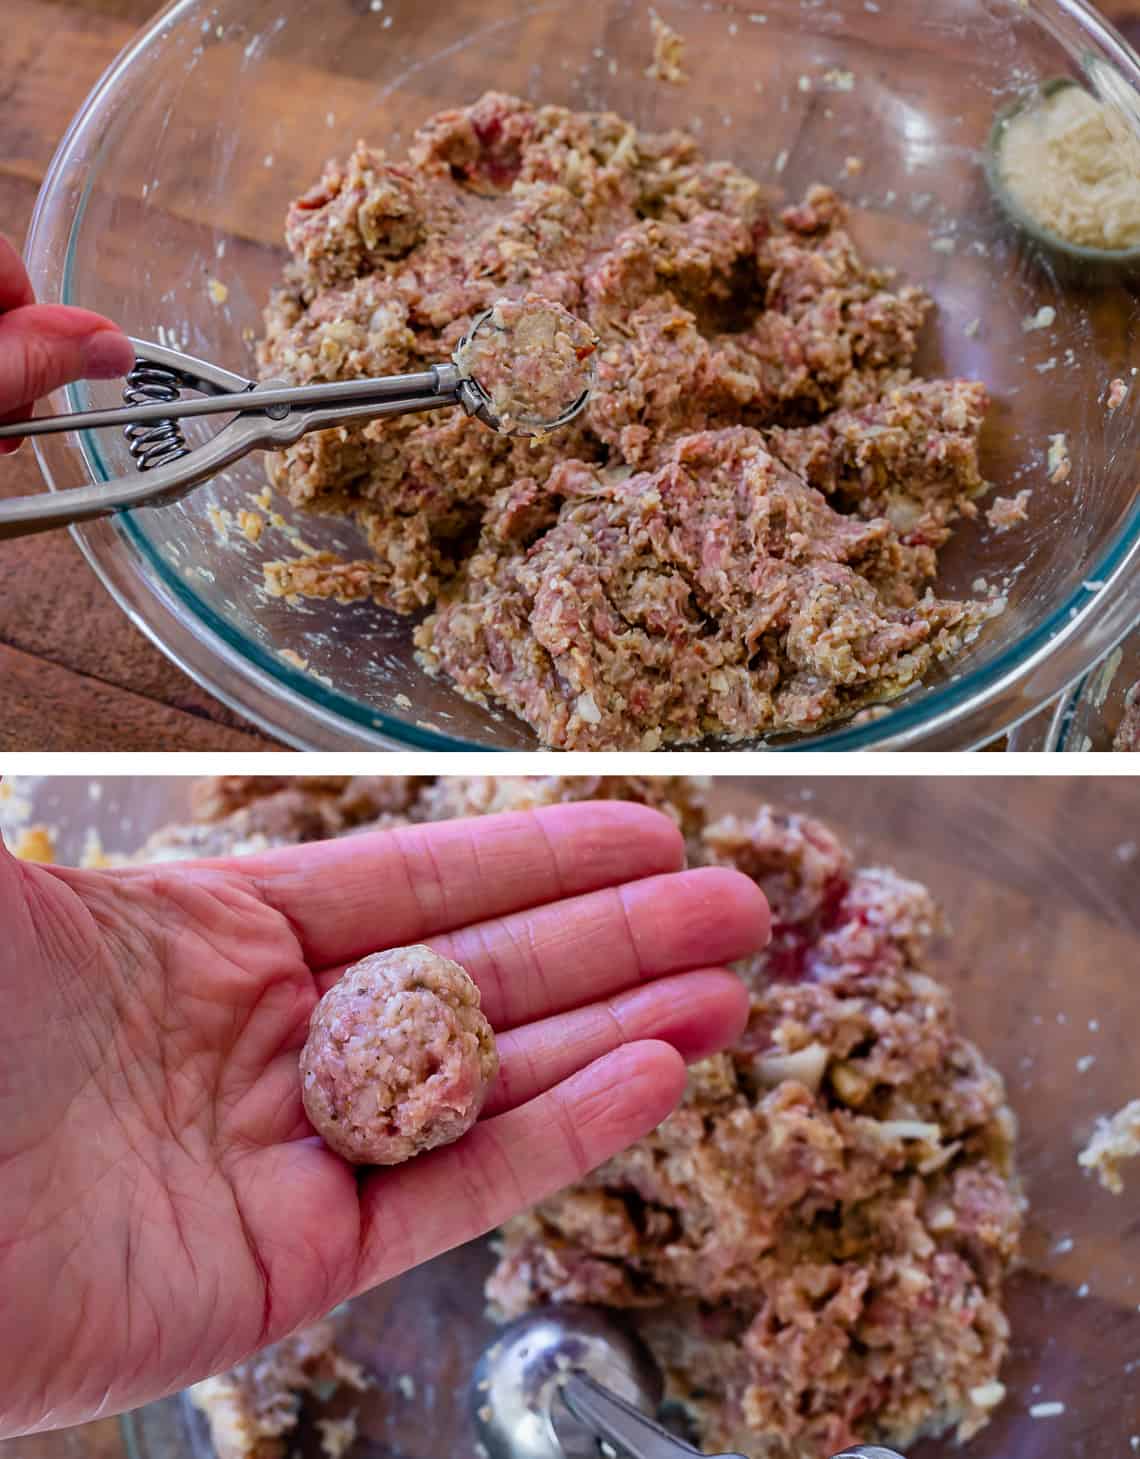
<point>44,346</point>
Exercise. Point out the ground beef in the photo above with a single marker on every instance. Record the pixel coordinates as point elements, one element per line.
<point>347,798</point>
<point>534,362</point>
<point>714,312</point>
<point>399,1057</point>
<point>814,1244</point>
<point>240,814</point>
<point>680,797</point>
<point>717,595</point>
<point>1128,731</point>
<point>253,1410</point>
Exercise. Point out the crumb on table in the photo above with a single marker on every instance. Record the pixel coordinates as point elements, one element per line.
<point>1114,1141</point>
<point>1045,318</point>
<point>35,843</point>
<point>668,53</point>
<point>1059,462</point>
<point>252,524</point>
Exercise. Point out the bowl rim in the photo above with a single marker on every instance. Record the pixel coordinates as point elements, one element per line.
<point>1060,732</point>
<point>969,708</point>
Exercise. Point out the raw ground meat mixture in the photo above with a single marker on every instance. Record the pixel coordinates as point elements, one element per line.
<point>737,536</point>
<point>534,361</point>
<point>399,1057</point>
<point>814,1245</point>
<point>1128,731</point>
<point>253,1410</point>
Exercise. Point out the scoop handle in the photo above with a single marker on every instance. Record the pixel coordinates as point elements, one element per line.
<point>627,1430</point>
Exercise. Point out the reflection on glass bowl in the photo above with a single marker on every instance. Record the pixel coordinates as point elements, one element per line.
<point>1087,718</point>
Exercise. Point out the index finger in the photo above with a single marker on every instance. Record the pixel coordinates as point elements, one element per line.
<point>15,286</point>
<point>345,898</point>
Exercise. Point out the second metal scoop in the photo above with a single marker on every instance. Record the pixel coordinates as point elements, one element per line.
<point>572,1383</point>
<point>269,415</point>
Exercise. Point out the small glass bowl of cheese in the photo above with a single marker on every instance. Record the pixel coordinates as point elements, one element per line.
<point>1064,164</point>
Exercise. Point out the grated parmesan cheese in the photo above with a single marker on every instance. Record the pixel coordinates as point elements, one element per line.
<point>1073,164</point>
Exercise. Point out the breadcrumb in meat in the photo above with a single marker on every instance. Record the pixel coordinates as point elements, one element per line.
<point>254,1409</point>
<point>814,1244</point>
<point>399,1057</point>
<point>715,312</point>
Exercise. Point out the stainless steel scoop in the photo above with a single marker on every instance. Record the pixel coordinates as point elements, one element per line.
<point>268,415</point>
<point>573,1383</point>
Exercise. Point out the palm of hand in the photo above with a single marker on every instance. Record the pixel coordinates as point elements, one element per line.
<point>166,1208</point>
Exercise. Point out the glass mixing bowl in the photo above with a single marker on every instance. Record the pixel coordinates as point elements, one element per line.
<point>1087,717</point>
<point>1038,880</point>
<point>176,176</point>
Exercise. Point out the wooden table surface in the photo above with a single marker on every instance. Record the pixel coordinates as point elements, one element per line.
<point>76,674</point>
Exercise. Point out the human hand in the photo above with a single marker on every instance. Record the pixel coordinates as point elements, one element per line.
<point>44,346</point>
<point>166,1208</point>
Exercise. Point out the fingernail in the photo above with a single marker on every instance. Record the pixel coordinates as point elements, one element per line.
<point>107,355</point>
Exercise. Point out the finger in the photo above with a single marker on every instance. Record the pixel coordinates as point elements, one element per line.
<point>548,959</point>
<point>697,1014</point>
<point>15,286</point>
<point>506,1164</point>
<point>353,896</point>
<point>540,962</point>
<point>22,412</point>
<point>44,346</point>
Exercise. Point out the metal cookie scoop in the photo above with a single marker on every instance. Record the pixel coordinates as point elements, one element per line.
<point>269,415</point>
<point>572,1383</point>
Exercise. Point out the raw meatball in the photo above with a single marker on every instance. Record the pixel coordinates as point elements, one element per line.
<point>533,359</point>
<point>399,1057</point>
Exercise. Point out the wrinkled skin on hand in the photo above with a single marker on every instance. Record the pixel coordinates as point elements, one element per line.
<point>44,346</point>
<point>165,1208</point>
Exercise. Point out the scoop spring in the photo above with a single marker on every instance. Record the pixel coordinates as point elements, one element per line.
<point>160,442</point>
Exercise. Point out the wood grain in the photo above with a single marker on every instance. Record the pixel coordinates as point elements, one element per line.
<point>55,709</point>
<point>53,610</point>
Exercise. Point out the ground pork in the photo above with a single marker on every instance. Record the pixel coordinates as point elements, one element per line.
<point>714,311</point>
<point>814,1244</point>
<point>399,1057</point>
